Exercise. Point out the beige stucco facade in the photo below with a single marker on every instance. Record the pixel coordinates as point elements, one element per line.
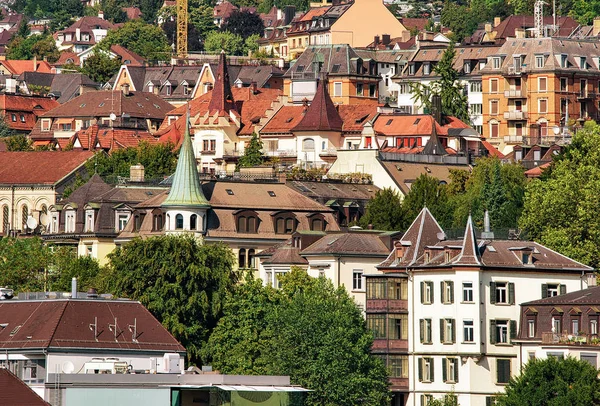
<point>363,21</point>
<point>19,202</point>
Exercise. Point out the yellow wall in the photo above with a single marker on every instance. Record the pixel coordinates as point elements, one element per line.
<point>351,28</point>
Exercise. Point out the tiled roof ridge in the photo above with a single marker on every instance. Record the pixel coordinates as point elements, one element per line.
<point>322,114</point>
<point>55,328</point>
<point>222,97</point>
<point>469,254</point>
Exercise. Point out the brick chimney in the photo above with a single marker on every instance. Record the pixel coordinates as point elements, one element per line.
<point>136,173</point>
<point>385,39</point>
<point>376,40</point>
<point>254,87</point>
<point>34,63</point>
<point>101,14</point>
<point>596,27</point>
<point>405,36</point>
<point>125,89</point>
<point>497,21</point>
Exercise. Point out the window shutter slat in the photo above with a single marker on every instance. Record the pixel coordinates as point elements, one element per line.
<point>563,289</point>
<point>422,326</point>
<point>453,324</point>
<point>544,291</point>
<point>443,292</point>
<point>431,291</point>
<point>420,363</point>
<point>444,370</point>
<point>422,292</point>
<point>511,293</point>
<point>441,330</point>
<point>451,292</point>
<point>493,292</point>
<point>513,329</point>
<point>431,369</point>
<point>456,364</point>
<point>492,331</point>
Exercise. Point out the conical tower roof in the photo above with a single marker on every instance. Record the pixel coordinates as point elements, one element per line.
<point>321,115</point>
<point>469,255</point>
<point>221,99</point>
<point>186,190</point>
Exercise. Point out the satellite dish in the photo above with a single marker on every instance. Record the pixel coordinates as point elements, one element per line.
<point>113,116</point>
<point>556,130</point>
<point>441,236</point>
<point>68,367</point>
<point>31,223</point>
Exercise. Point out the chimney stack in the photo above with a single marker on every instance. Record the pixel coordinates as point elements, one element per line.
<point>34,63</point>
<point>385,39</point>
<point>497,21</point>
<point>136,173</point>
<point>254,87</point>
<point>376,40</point>
<point>125,89</point>
<point>596,27</point>
<point>487,232</point>
<point>74,288</point>
<point>101,14</point>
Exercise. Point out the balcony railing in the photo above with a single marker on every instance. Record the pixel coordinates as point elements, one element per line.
<point>570,339</point>
<point>305,75</point>
<point>434,159</point>
<point>513,139</point>
<point>515,94</point>
<point>282,153</point>
<point>515,115</point>
<point>328,152</point>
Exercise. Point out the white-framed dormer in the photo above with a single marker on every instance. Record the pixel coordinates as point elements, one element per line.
<point>45,124</point>
<point>90,217</point>
<point>122,216</point>
<point>70,217</point>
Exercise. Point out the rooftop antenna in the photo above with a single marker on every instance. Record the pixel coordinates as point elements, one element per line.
<point>94,328</point>
<point>133,330</point>
<point>113,328</point>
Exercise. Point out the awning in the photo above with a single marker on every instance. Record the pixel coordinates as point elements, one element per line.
<point>65,121</point>
<point>472,138</point>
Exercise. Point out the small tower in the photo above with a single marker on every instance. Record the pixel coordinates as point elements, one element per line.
<point>186,205</point>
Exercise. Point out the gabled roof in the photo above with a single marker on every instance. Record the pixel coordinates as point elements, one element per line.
<point>16,392</point>
<point>589,296</point>
<point>127,56</point>
<point>322,114</point>
<point>348,243</point>
<point>39,167</point>
<point>469,254</point>
<point>88,191</point>
<point>109,138</point>
<point>58,324</point>
<point>185,189</point>
<point>16,67</point>
<point>221,98</point>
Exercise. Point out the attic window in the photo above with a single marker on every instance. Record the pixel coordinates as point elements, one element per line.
<point>360,120</point>
<point>271,193</point>
<point>101,104</point>
<point>156,106</point>
<point>417,121</point>
<point>289,120</point>
<point>15,330</point>
<point>300,68</point>
<point>337,49</point>
<point>336,68</point>
<point>389,122</point>
<point>229,192</point>
<point>82,105</point>
<point>526,258</point>
<point>140,105</point>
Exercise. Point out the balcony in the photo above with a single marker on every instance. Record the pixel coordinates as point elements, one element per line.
<point>513,139</point>
<point>386,305</point>
<point>282,153</point>
<point>585,95</point>
<point>516,94</point>
<point>570,339</point>
<point>515,115</point>
<point>328,152</point>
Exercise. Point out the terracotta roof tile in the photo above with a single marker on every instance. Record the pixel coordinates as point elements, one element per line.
<point>16,392</point>
<point>39,167</point>
<point>322,114</point>
<point>16,67</point>
<point>349,243</point>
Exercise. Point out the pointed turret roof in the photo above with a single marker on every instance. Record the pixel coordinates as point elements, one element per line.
<point>186,190</point>
<point>469,255</point>
<point>221,99</point>
<point>424,231</point>
<point>434,145</point>
<point>321,115</point>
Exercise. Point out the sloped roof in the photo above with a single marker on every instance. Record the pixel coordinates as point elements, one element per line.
<point>88,191</point>
<point>283,254</point>
<point>349,243</point>
<point>414,125</point>
<point>16,392</point>
<point>589,296</point>
<point>469,254</point>
<point>321,115</point>
<point>16,67</point>
<point>221,98</point>
<point>127,56</point>
<point>64,323</point>
<point>111,138</point>
<point>39,167</point>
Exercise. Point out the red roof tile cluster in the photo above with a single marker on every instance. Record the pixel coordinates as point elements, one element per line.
<point>127,57</point>
<point>96,137</point>
<point>224,10</point>
<point>321,115</point>
<point>16,67</point>
<point>21,112</point>
<point>133,13</point>
<point>65,323</point>
<point>67,57</point>
<point>413,125</point>
<point>221,99</point>
<point>16,392</point>
<point>39,167</point>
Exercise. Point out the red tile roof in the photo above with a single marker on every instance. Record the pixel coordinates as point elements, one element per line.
<point>65,323</point>
<point>133,13</point>
<point>221,99</point>
<point>111,138</point>
<point>492,150</point>
<point>412,125</point>
<point>127,57</point>
<point>67,57</point>
<point>537,171</point>
<point>39,167</point>
<point>30,107</point>
<point>321,115</point>
<point>414,23</point>
<point>16,392</point>
<point>224,9</point>
<point>16,67</point>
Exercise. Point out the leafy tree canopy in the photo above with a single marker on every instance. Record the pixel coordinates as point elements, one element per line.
<point>159,160</point>
<point>253,153</point>
<point>216,41</point>
<point>567,194</point>
<point>181,281</point>
<point>100,67</point>
<point>552,382</point>
<point>384,211</point>
<point>202,19</point>
<point>39,46</point>
<point>244,24</point>
<point>147,40</point>
<point>308,330</point>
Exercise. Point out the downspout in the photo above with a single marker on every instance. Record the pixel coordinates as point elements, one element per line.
<point>411,349</point>
<point>338,271</point>
<point>12,209</point>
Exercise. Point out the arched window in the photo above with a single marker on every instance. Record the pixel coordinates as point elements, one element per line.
<point>44,215</point>
<point>247,221</point>
<point>157,222</point>
<point>193,222</point>
<point>251,254</point>
<point>5,219</point>
<point>242,258</point>
<point>24,214</point>
<point>178,222</point>
<point>317,222</point>
<point>285,223</point>
<point>308,144</point>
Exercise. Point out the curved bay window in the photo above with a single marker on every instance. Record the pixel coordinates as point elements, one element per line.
<point>247,222</point>
<point>178,222</point>
<point>285,223</point>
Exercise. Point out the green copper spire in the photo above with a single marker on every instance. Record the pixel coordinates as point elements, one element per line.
<point>186,190</point>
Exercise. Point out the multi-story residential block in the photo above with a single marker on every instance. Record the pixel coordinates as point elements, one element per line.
<point>352,79</point>
<point>83,33</point>
<point>561,325</point>
<point>298,35</point>
<point>390,63</point>
<point>462,309</point>
<point>533,88</point>
<point>420,68</point>
<point>274,40</point>
<point>21,112</point>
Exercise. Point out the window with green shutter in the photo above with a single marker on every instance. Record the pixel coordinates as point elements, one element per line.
<point>492,331</point>
<point>502,370</point>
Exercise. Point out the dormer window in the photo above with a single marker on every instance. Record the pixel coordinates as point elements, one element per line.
<point>467,67</point>
<point>317,222</point>
<point>122,220</point>
<point>247,222</point>
<point>496,63</point>
<point>169,90</point>
<point>539,61</point>
<point>45,124</point>
<point>427,256</point>
<point>150,88</point>
<point>186,90</point>
<point>399,251</point>
<point>285,223</point>
<point>582,62</point>
<point>426,68</point>
<point>526,258</point>
<point>54,223</point>
<point>563,61</point>
<point>89,221</point>
<point>70,221</point>
<point>411,69</point>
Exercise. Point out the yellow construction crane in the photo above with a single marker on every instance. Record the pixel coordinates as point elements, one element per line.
<point>182,28</point>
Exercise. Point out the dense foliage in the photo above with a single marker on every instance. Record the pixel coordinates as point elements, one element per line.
<point>308,330</point>
<point>561,208</point>
<point>100,67</point>
<point>183,282</point>
<point>244,24</point>
<point>147,40</point>
<point>38,46</point>
<point>493,186</point>
<point>553,382</point>
<point>159,160</point>
<point>29,265</point>
<point>252,153</point>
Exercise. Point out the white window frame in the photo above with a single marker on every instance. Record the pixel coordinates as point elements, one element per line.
<point>427,369</point>
<point>89,220</point>
<point>54,223</point>
<point>556,325</point>
<point>539,61</point>
<point>122,220</point>
<point>337,89</point>
<point>540,106</point>
<point>468,331</point>
<point>545,79</point>
<point>500,288</point>
<point>594,327</point>
<point>358,280</point>
<point>427,291</point>
<point>553,289</point>
<point>502,331</point>
<point>46,123</point>
<point>496,63</point>
<point>70,221</point>
<point>467,292</point>
<point>531,328</point>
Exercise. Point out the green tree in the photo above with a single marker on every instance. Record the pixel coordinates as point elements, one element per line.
<point>100,67</point>
<point>202,18</point>
<point>19,142</point>
<point>308,330</point>
<point>252,153</point>
<point>60,20</point>
<point>427,191</point>
<point>244,24</point>
<point>65,265</point>
<point>39,46</point>
<point>181,281</point>
<point>251,44</point>
<point>449,399</point>
<point>147,40</point>
<point>5,130</point>
<point>23,263</point>
<point>113,11</point>
<point>384,211</point>
<point>454,102</point>
<point>552,382</point>
<point>568,196</point>
<point>460,20</point>
<point>216,41</point>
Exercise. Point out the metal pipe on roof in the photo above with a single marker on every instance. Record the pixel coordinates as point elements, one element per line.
<point>74,288</point>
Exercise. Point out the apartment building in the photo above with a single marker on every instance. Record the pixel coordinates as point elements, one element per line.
<point>461,309</point>
<point>535,89</point>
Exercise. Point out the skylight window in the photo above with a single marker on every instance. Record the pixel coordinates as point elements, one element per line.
<point>82,105</point>
<point>417,121</point>
<point>229,192</point>
<point>389,122</point>
<point>271,193</point>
